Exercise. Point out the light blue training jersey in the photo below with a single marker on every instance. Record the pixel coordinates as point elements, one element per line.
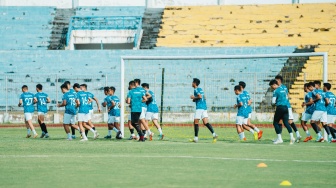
<point>115,110</point>
<point>285,88</point>
<point>141,89</point>
<point>108,101</point>
<point>200,103</point>
<point>281,97</point>
<point>70,98</point>
<point>91,96</point>
<point>243,111</point>
<point>320,104</point>
<point>152,106</point>
<point>41,102</point>
<point>136,99</point>
<point>331,110</point>
<point>84,106</point>
<point>27,102</point>
<point>311,108</point>
<point>249,108</point>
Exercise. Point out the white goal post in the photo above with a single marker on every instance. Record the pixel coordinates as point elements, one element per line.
<point>284,55</point>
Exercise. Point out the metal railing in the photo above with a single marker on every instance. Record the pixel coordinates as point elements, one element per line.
<point>105,23</point>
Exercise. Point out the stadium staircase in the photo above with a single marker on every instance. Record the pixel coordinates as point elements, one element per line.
<point>309,26</point>
<point>150,24</point>
<point>60,28</point>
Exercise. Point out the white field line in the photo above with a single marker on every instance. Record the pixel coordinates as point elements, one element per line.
<point>172,157</point>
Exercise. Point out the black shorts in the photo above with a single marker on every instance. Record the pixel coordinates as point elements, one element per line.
<point>135,117</point>
<point>281,112</point>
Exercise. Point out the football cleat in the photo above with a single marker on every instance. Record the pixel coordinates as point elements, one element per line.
<point>260,133</point>
<point>161,136</point>
<point>151,136</point>
<point>277,141</point>
<point>46,136</point>
<point>96,135</point>
<point>35,135</point>
<point>73,136</point>
<point>214,139</point>
<point>108,137</point>
<point>292,141</point>
<point>308,138</point>
<point>298,139</point>
<point>42,135</point>
<point>320,139</point>
<point>83,140</point>
<point>193,140</point>
<point>255,135</point>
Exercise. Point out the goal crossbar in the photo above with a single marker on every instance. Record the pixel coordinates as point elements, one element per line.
<point>249,56</point>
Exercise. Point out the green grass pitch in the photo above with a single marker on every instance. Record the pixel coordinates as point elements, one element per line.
<point>173,162</point>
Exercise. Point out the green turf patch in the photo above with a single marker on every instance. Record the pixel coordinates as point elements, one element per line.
<point>173,162</point>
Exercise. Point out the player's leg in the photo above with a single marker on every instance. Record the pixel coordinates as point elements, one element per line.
<point>239,128</point>
<point>80,124</point>
<point>131,128</point>
<point>292,124</point>
<point>205,119</point>
<point>29,118</point>
<point>73,133</point>
<point>87,126</point>
<point>28,129</point>
<point>276,124</point>
<point>116,127</point>
<point>304,119</point>
<point>45,133</point>
<point>135,118</point>
<point>67,131</point>
<point>248,128</point>
<point>314,119</point>
<point>324,121</point>
<point>197,117</point>
<point>154,117</point>
<point>109,127</point>
<point>285,118</point>
<point>331,121</point>
<point>145,123</point>
<point>254,127</point>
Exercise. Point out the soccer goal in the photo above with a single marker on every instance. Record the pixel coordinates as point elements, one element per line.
<point>170,78</point>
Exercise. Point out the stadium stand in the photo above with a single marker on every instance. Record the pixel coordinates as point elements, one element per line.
<point>302,25</point>
<point>34,22</point>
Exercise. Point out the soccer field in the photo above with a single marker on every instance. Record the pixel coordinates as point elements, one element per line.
<point>173,162</point>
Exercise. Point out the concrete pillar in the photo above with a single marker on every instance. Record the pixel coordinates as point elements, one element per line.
<point>56,118</point>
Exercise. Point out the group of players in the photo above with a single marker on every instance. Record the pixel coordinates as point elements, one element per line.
<point>319,108</point>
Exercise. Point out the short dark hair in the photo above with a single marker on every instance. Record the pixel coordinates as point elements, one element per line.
<point>112,88</point>
<point>106,89</point>
<point>196,81</point>
<point>305,85</point>
<point>311,84</point>
<point>39,86</point>
<point>24,86</point>
<point>243,84</point>
<point>272,82</point>
<point>84,85</point>
<point>327,85</point>
<point>317,82</point>
<point>279,77</point>
<point>76,85</point>
<point>237,88</point>
<point>67,82</point>
<point>145,85</point>
<point>131,83</point>
<point>137,80</point>
<point>64,86</point>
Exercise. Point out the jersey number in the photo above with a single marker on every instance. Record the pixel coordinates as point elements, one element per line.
<point>29,101</point>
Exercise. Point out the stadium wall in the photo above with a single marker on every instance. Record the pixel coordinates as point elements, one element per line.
<point>149,3</point>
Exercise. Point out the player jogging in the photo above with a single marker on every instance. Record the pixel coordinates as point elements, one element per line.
<point>242,114</point>
<point>70,89</point>
<point>41,99</point>
<point>152,113</point>
<point>27,101</point>
<point>135,98</point>
<point>70,102</point>
<point>83,112</point>
<point>255,128</point>
<point>83,87</point>
<point>310,107</point>
<point>279,79</point>
<point>115,112</point>
<point>331,111</point>
<point>320,113</point>
<point>144,109</point>
<point>110,120</point>
<point>280,99</point>
<point>131,85</point>
<point>201,110</point>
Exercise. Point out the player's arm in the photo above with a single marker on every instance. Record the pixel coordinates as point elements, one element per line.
<point>77,103</point>
<point>144,99</point>
<point>104,103</point>
<point>327,101</point>
<point>89,100</point>
<point>198,96</point>
<point>97,102</point>
<point>249,102</point>
<point>62,104</point>
<point>128,100</point>
<point>274,99</point>
<point>238,105</point>
<point>20,103</point>
<point>35,100</point>
<point>48,100</point>
<point>148,95</point>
